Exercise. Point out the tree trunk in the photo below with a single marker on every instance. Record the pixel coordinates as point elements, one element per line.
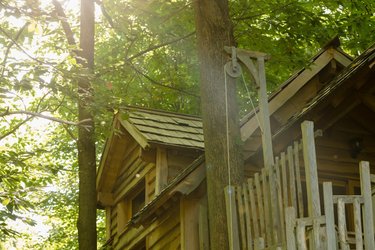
<point>86,140</point>
<point>214,31</point>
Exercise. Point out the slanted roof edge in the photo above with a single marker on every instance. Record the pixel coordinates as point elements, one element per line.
<point>249,123</point>
<point>135,133</point>
<point>138,217</point>
<point>357,64</point>
<point>103,158</point>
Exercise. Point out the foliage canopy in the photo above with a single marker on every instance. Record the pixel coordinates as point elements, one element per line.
<point>145,55</point>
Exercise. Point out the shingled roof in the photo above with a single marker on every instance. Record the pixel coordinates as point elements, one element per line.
<point>151,126</point>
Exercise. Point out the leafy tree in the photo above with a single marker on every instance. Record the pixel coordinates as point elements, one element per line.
<point>223,160</point>
<point>146,55</point>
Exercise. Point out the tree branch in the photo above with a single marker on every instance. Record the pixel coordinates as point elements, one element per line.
<point>51,118</point>
<point>262,13</point>
<point>10,46</point>
<point>105,13</point>
<point>159,46</point>
<point>153,81</point>
<point>14,129</point>
<point>66,27</point>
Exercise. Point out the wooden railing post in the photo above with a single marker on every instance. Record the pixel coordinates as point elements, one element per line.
<point>367,208</point>
<point>329,214</point>
<point>309,156</point>
<point>290,220</point>
<point>311,172</point>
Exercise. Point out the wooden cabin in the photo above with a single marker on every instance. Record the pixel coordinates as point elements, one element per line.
<point>151,180</point>
<point>315,185</point>
<point>341,104</point>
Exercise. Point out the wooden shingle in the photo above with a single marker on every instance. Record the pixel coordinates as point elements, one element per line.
<point>166,128</point>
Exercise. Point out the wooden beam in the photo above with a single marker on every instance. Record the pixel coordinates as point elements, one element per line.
<point>191,182</point>
<point>105,199</point>
<point>264,116</point>
<point>341,58</point>
<point>247,53</point>
<point>367,207</point>
<point>161,169</point>
<point>330,217</point>
<point>311,170</point>
<point>135,133</point>
<point>189,219</point>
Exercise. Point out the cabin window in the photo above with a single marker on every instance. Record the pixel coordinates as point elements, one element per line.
<point>131,205</point>
<point>138,202</point>
<point>140,246</point>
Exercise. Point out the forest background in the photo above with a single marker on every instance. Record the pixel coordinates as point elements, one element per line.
<point>145,55</point>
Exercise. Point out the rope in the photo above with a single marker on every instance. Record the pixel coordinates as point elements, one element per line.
<point>251,101</point>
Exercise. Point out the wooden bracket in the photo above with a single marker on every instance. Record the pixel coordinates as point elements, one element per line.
<point>259,75</point>
<point>246,58</point>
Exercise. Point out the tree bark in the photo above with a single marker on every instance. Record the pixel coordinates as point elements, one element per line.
<point>86,138</point>
<point>214,31</point>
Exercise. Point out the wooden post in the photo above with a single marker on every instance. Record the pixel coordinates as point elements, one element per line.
<point>358,225</point>
<point>267,147</point>
<point>279,198</point>
<point>260,198</point>
<point>189,221</point>
<point>329,214</point>
<point>264,115</point>
<point>241,215</point>
<point>298,179</point>
<point>301,237</point>
<point>161,169</point>
<point>367,208</point>
<point>284,180</point>
<point>290,220</point>
<point>292,178</point>
<point>247,216</point>
<point>233,233</point>
<point>342,224</point>
<point>309,156</point>
<point>311,172</point>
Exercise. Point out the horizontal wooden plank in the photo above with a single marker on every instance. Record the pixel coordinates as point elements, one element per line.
<point>347,198</point>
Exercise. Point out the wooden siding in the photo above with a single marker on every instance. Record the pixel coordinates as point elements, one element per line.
<point>150,185</point>
<point>162,233</point>
<point>113,221</point>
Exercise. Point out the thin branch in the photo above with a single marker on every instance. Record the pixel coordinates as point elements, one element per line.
<point>153,81</point>
<point>127,61</point>
<point>66,27</point>
<point>70,132</point>
<point>105,13</point>
<point>14,129</point>
<point>10,46</point>
<point>173,14</point>
<point>158,46</point>
<point>51,118</point>
<point>22,49</point>
<point>262,13</point>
